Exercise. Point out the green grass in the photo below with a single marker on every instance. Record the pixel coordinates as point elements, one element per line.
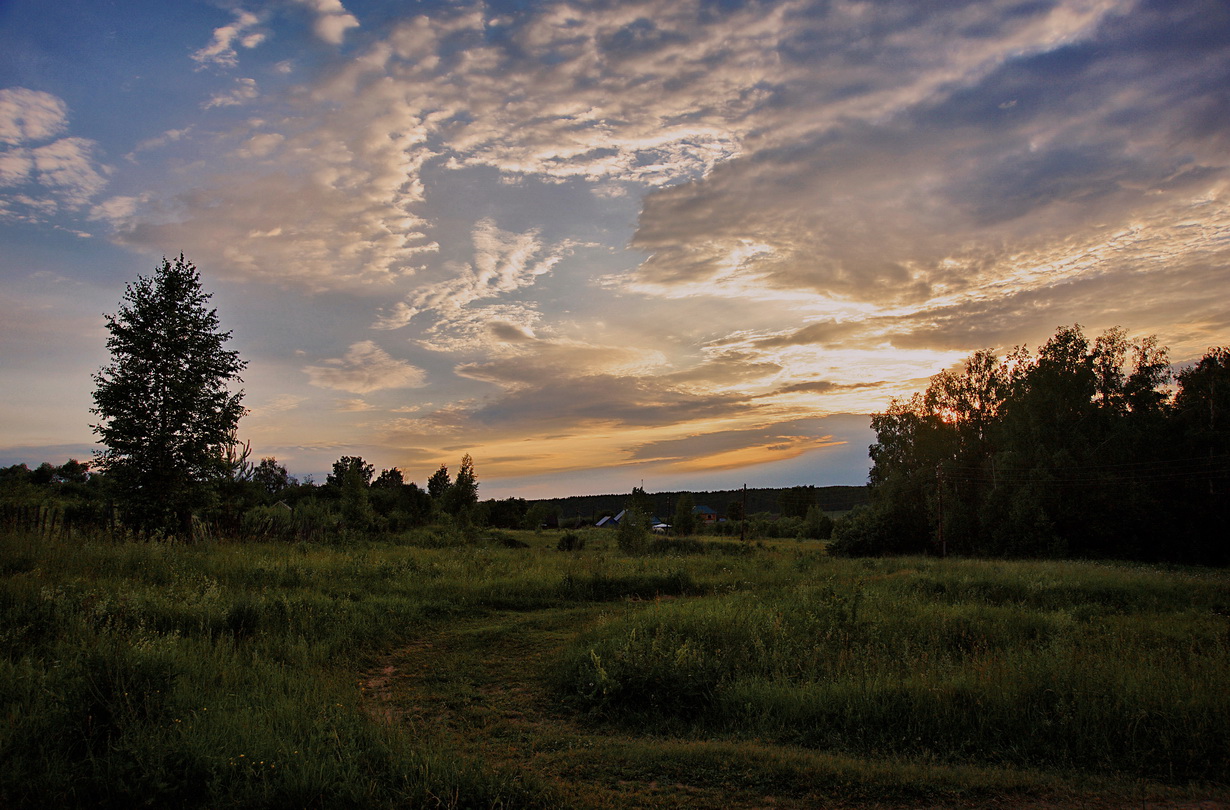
<point>1053,665</point>
<point>240,675</point>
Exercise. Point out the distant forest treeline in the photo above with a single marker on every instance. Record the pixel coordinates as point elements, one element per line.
<point>787,500</point>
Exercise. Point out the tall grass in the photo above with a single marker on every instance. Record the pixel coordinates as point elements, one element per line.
<point>1054,665</point>
<point>227,675</point>
<point>221,675</point>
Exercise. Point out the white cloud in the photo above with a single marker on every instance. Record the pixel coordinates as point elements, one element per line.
<point>282,403</point>
<point>365,368</point>
<point>503,263</point>
<point>332,19</point>
<point>157,142</point>
<point>67,168</point>
<point>355,405</point>
<point>243,91</point>
<point>762,136</point>
<point>30,115</point>
<point>47,177</point>
<point>261,145</point>
<point>220,51</point>
<point>16,166</point>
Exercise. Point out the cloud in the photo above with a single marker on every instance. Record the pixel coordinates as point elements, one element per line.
<point>220,52</point>
<point>30,115</point>
<point>504,262</point>
<point>243,91</point>
<point>822,332</point>
<point>46,177</point>
<point>352,406</point>
<point>835,200</point>
<point>458,90</point>
<point>68,169</point>
<point>332,19</point>
<point>953,199</point>
<point>532,363</point>
<point>727,449</point>
<point>157,142</point>
<point>583,403</point>
<point>365,368</point>
<point>283,403</point>
<point>16,166</point>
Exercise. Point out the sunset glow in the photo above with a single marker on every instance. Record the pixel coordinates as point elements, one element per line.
<point>593,244</point>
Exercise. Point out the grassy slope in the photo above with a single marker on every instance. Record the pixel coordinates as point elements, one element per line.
<point>226,675</point>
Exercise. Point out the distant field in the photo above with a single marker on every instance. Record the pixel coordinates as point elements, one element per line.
<point>461,671</point>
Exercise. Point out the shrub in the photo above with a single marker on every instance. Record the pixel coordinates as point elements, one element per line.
<point>633,532</point>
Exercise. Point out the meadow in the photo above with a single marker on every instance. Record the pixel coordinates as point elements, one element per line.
<point>493,669</point>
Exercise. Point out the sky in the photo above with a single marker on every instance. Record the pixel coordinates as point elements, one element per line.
<point>678,244</point>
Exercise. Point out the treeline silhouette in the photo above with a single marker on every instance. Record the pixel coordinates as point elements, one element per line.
<point>790,501</point>
<point>1087,449</point>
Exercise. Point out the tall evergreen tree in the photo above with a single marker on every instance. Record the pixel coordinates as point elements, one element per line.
<point>166,413</point>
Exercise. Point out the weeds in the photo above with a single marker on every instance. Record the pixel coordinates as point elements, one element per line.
<point>224,675</point>
<point>1085,667</point>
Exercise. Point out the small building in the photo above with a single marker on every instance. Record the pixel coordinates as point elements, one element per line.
<point>705,514</point>
<point>610,522</point>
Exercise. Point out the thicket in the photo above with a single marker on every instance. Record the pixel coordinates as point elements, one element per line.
<point>1087,449</point>
<point>252,502</point>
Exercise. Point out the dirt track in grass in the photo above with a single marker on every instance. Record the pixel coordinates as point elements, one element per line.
<point>481,687</point>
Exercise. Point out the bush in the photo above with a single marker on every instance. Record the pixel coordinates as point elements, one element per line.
<point>633,532</point>
<point>870,531</point>
<point>571,541</point>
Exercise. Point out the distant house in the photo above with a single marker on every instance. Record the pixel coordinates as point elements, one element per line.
<point>705,514</point>
<point>609,522</point>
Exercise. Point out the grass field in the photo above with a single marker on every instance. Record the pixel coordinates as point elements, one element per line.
<point>439,672</point>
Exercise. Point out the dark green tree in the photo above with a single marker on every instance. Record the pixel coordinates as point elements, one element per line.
<point>817,525</point>
<point>507,514</point>
<point>1075,451</point>
<point>795,501</point>
<point>346,465</point>
<point>438,485</point>
<point>166,413</point>
<point>356,505</point>
<point>685,518</point>
<point>271,476</point>
<point>632,536</point>
<point>389,479</point>
<point>640,500</point>
<point>1202,416</point>
<point>462,495</point>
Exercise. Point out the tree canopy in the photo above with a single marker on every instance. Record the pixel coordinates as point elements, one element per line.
<point>1078,450</point>
<point>166,413</point>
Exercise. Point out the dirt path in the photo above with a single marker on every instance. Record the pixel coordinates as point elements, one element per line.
<point>480,688</point>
